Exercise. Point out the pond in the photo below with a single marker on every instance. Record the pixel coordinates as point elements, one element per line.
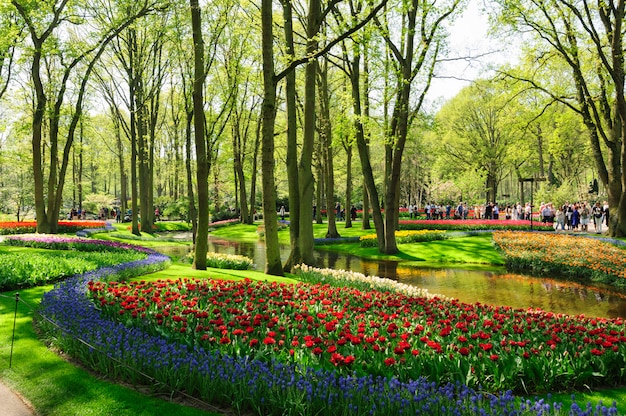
<point>493,287</point>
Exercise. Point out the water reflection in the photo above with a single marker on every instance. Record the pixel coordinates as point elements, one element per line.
<point>470,286</point>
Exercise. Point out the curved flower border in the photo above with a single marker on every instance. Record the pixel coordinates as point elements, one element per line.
<point>262,386</point>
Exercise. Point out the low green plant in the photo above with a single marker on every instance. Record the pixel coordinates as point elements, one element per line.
<point>225,261</point>
<point>27,268</point>
<point>406,237</point>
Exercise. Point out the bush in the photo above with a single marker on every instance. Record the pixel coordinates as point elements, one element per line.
<point>224,261</point>
<point>406,237</point>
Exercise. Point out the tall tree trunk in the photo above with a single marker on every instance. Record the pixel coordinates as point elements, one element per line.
<point>79,174</point>
<point>43,224</point>
<point>123,179</point>
<point>326,141</point>
<point>366,167</point>
<point>255,158</point>
<point>349,186</point>
<point>192,215</point>
<point>295,256</point>
<point>320,189</point>
<point>305,173</point>
<point>366,112</point>
<point>202,172</point>
<point>272,249</point>
<point>366,209</point>
<point>238,168</point>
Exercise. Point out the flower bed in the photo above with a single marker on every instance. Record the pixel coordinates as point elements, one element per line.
<point>25,227</point>
<point>469,225</point>
<point>354,280</point>
<point>55,242</point>
<point>405,237</point>
<point>375,333</point>
<point>265,377</point>
<point>224,261</point>
<point>557,254</point>
<point>223,223</point>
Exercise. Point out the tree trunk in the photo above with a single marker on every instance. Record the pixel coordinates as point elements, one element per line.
<point>202,172</point>
<point>305,173</point>
<point>192,215</point>
<point>320,190</point>
<point>326,141</point>
<point>255,158</point>
<point>295,255</point>
<point>349,186</point>
<point>366,167</point>
<point>79,182</point>
<point>239,175</point>
<point>366,209</point>
<point>43,225</point>
<point>272,249</point>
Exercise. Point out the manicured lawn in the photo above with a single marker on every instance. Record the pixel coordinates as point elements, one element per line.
<point>249,233</point>
<point>471,250</point>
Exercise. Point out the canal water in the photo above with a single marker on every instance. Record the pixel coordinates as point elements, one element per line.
<point>493,287</point>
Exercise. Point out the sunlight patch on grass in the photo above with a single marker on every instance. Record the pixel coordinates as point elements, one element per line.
<point>467,250</point>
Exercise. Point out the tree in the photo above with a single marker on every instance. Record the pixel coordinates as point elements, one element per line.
<point>326,141</point>
<point>588,38</point>
<point>268,115</point>
<point>414,58</point>
<point>477,133</point>
<point>202,172</point>
<point>270,80</point>
<point>11,34</point>
<point>77,58</point>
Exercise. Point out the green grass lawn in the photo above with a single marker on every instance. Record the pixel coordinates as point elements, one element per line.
<point>472,251</point>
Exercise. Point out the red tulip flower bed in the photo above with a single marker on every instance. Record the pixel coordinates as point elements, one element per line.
<point>370,332</point>
<point>472,225</point>
<point>25,227</point>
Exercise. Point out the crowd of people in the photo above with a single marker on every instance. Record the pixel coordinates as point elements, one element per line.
<point>576,216</point>
<point>569,216</point>
<point>77,214</point>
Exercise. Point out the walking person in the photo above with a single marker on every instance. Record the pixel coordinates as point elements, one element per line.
<point>598,214</point>
<point>584,217</point>
<point>575,217</point>
<point>560,219</point>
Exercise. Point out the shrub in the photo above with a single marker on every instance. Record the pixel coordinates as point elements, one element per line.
<point>225,261</point>
<point>406,237</point>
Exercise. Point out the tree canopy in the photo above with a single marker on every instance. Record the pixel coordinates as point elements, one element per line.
<point>214,110</point>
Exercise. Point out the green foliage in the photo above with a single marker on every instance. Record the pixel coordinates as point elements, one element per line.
<point>224,261</point>
<point>175,209</point>
<point>94,202</point>
<point>406,237</point>
<point>27,268</point>
<point>224,214</point>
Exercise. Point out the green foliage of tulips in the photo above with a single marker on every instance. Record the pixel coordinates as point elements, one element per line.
<point>224,261</point>
<point>406,237</point>
<point>19,269</point>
